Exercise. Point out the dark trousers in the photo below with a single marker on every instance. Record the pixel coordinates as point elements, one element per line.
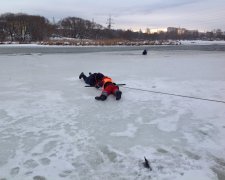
<point>90,80</point>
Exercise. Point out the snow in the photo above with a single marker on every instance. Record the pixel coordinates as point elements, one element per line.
<point>53,128</point>
<point>201,42</point>
<point>37,44</point>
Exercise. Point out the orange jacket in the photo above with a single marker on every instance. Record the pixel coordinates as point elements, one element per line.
<point>105,80</point>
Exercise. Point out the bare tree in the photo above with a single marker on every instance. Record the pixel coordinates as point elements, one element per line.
<point>23,27</point>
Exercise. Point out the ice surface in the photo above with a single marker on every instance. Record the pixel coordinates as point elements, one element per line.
<point>52,128</point>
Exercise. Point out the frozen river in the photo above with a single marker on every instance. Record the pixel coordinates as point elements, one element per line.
<point>52,128</point>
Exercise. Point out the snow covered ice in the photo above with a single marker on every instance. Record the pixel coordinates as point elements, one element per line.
<point>52,128</point>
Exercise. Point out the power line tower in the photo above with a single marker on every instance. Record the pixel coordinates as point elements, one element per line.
<point>109,22</point>
<point>53,20</point>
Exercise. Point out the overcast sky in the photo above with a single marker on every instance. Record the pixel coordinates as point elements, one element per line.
<point>129,14</point>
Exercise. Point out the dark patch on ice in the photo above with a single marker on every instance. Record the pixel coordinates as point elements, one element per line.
<point>30,164</point>
<point>219,161</point>
<point>28,173</point>
<point>65,173</point>
<point>162,150</point>
<point>202,132</point>
<point>49,146</point>
<point>219,172</point>
<point>36,154</point>
<point>219,169</point>
<point>45,161</point>
<point>192,155</point>
<point>39,178</point>
<point>53,155</point>
<point>110,154</point>
<point>14,171</point>
<point>160,167</point>
<point>27,54</point>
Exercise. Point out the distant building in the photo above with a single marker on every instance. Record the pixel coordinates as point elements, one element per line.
<point>192,31</point>
<point>172,29</point>
<point>148,31</point>
<point>181,31</point>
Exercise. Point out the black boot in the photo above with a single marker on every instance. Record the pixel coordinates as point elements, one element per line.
<point>102,97</point>
<point>118,95</point>
<point>81,75</point>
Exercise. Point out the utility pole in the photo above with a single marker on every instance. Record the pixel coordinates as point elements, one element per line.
<point>109,22</point>
<point>53,20</point>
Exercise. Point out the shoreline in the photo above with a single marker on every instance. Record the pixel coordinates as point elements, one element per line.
<point>88,43</point>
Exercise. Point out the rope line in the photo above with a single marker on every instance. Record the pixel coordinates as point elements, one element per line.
<point>171,94</point>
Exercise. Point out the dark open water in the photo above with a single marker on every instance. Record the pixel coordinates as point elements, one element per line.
<point>74,49</point>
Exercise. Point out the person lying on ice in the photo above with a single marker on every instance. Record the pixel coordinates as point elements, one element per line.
<point>109,87</point>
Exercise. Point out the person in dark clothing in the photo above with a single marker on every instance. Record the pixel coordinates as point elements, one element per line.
<point>92,79</point>
<point>144,52</point>
<point>109,87</point>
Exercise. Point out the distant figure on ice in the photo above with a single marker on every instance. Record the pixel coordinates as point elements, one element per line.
<point>144,52</point>
<point>99,80</point>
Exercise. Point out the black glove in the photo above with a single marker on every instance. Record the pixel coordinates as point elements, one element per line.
<point>97,86</point>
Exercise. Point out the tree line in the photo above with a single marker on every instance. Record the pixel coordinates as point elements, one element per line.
<point>26,28</point>
<point>23,27</point>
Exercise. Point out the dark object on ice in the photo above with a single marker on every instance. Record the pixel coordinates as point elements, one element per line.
<point>102,97</point>
<point>144,52</point>
<point>147,164</point>
<point>99,80</point>
<point>92,79</point>
<point>81,75</point>
<point>118,95</point>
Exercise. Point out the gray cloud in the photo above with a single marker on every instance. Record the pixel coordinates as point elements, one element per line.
<point>194,14</point>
